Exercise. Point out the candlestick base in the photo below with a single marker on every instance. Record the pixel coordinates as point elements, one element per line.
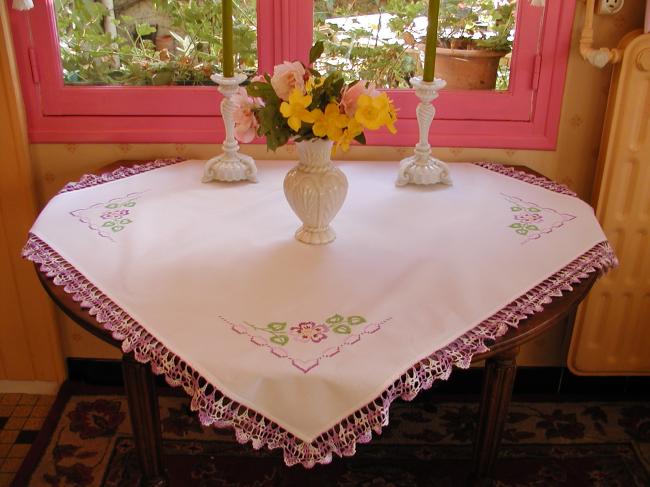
<point>422,168</point>
<point>231,165</point>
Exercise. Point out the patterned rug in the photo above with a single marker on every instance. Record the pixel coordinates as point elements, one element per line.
<point>427,444</point>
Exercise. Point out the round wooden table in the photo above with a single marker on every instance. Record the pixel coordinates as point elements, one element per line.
<point>498,380</point>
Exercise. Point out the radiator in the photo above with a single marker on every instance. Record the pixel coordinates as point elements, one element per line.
<point>611,335</point>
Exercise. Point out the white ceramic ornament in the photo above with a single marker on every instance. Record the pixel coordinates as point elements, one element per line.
<point>315,190</point>
<point>231,165</point>
<point>422,167</point>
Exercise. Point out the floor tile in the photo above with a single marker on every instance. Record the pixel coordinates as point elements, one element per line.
<point>10,399</point>
<point>15,423</point>
<point>22,411</point>
<point>34,423</point>
<point>28,399</point>
<point>18,451</point>
<point>8,436</point>
<point>40,412</point>
<point>5,479</point>
<point>45,400</point>
<point>4,450</point>
<point>26,437</point>
<point>5,410</point>
<point>11,465</point>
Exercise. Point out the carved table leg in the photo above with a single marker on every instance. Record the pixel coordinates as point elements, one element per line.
<point>145,419</point>
<point>499,377</point>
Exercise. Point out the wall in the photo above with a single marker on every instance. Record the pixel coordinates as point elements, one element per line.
<point>573,162</point>
<point>30,352</point>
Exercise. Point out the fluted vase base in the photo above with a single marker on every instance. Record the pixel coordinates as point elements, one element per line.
<point>315,190</point>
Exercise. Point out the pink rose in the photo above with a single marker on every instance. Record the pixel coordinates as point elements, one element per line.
<point>352,93</point>
<point>245,122</point>
<point>287,77</point>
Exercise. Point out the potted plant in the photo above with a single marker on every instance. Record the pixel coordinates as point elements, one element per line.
<point>473,36</point>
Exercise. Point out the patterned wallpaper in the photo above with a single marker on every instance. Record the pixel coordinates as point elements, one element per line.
<point>573,162</point>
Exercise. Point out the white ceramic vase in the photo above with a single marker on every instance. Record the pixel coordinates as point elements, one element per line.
<point>315,190</point>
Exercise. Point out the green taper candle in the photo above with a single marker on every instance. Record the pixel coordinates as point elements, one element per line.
<point>226,35</point>
<point>432,41</point>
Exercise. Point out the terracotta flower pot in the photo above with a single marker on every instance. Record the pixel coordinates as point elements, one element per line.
<point>468,69</point>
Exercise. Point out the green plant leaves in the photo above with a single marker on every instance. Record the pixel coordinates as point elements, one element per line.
<point>316,51</point>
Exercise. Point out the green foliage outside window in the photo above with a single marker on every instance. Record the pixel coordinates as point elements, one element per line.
<point>90,55</point>
<point>363,51</point>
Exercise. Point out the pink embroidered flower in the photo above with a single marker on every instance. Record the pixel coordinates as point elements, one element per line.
<point>529,217</point>
<point>113,215</point>
<point>352,93</point>
<point>287,77</point>
<point>245,122</point>
<point>309,331</point>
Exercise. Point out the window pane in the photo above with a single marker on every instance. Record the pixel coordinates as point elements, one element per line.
<point>150,42</point>
<point>383,40</point>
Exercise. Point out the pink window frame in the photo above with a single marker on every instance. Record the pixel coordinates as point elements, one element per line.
<point>525,116</point>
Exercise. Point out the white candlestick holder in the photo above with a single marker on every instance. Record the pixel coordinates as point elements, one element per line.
<point>422,167</point>
<point>231,165</point>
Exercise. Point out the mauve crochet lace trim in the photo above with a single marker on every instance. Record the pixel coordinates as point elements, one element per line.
<point>89,180</point>
<point>216,409</point>
<point>527,177</point>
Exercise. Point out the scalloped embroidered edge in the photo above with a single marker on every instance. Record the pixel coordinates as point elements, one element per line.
<point>216,409</point>
<point>527,177</point>
<point>90,180</point>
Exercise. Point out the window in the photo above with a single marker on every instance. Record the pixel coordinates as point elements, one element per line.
<point>148,80</point>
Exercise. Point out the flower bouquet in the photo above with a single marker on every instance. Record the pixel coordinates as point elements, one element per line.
<point>316,111</point>
<point>299,103</point>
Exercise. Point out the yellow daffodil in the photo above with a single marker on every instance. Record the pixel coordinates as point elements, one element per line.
<point>331,123</point>
<point>375,112</point>
<point>353,129</point>
<point>311,85</point>
<point>295,110</point>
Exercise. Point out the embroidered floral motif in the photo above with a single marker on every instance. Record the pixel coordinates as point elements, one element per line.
<point>533,220</point>
<point>299,343</point>
<point>109,218</point>
<point>116,221</point>
<point>309,331</point>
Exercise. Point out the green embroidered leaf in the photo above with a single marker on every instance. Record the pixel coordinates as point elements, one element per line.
<point>515,225</point>
<point>342,329</point>
<point>129,204</point>
<point>125,221</point>
<point>534,210</point>
<point>334,320</point>
<point>117,228</point>
<point>356,320</point>
<point>108,224</point>
<point>275,326</point>
<point>280,339</point>
<point>112,206</point>
<point>522,231</point>
<point>516,208</point>
<point>532,227</point>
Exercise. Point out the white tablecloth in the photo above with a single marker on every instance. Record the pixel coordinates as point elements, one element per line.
<point>304,347</point>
